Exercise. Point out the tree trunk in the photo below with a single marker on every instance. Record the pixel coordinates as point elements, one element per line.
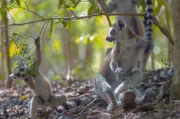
<point>67,52</point>
<point>6,39</point>
<point>170,46</point>
<point>2,71</point>
<point>175,87</point>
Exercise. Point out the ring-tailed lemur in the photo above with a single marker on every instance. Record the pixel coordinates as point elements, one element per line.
<point>134,22</point>
<point>121,61</point>
<point>38,83</point>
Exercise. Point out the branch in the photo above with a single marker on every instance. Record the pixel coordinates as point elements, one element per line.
<point>156,22</point>
<point>163,30</point>
<point>71,18</point>
<point>27,8</point>
<point>31,12</point>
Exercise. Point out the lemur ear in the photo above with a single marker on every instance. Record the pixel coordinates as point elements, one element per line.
<point>120,23</point>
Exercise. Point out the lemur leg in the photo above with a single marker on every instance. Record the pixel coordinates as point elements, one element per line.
<point>56,100</point>
<point>104,90</point>
<point>136,77</point>
<point>129,85</point>
<point>34,103</point>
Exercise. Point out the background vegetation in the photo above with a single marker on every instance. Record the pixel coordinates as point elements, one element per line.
<point>73,33</point>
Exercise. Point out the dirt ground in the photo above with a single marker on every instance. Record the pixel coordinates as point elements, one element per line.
<point>95,110</point>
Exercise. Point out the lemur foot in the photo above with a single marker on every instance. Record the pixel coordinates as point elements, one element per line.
<point>128,100</point>
<point>111,106</point>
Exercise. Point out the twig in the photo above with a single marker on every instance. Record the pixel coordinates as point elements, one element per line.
<point>104,8</point>
<point>43,28</point>
<point>31,12</point>
<point>74,14</point>
<point>87,107</point>
<point>163,30</point>
<point>27,8</point>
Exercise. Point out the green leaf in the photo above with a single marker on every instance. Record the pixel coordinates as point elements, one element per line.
<point>61,2</point>
<point>51,28</point>
<point>158,8</point>
<point>18,2</point>
<point>64,24</point>
<point>69,8</point>
<point>91,9</point>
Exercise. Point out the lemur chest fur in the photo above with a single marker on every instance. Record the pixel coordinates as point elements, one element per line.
<point>125,53</point>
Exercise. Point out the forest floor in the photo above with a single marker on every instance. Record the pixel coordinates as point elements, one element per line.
<point>95,110</point>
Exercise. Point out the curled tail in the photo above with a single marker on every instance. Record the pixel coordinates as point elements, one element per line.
<point>13,101</point>
<point>148,22</point>
<point>83,100</point>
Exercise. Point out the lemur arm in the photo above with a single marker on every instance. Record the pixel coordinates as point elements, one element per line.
<point>115,67</point>
<point>38,55</point>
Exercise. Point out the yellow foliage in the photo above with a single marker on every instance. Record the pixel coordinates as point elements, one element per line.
<point>56,44</point>
<point>15,11</point>
<point>24,97</point>
<point>13,49</point>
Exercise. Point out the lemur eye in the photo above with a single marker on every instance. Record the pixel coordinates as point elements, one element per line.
<point>120,23</point>
<point>112,32</point>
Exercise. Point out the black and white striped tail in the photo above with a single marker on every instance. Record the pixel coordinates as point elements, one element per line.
<point>13,101</point>
<point>84,100</point>
<point>148,22</point>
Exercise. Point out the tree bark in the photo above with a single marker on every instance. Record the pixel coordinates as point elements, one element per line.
<point>175,87</point>
<point>2,71</point>
<point>6,43</point>
<point>170,46</point>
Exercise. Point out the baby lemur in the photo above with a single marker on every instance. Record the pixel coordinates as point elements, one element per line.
<point>38,83</point>
<point>118,71</point>
<point>134,22</point>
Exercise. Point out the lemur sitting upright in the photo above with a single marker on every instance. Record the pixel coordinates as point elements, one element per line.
<point>38,83</point>
<point>132,21</point>
<point>120,63</point>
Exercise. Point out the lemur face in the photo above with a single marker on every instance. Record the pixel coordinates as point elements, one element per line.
<point>20,72</point>
<point>116,31</point>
